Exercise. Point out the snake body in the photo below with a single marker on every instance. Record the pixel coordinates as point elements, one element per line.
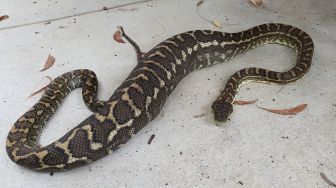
<point>140,97</point>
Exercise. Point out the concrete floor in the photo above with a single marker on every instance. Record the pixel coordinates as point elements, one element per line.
<point>255,149</point>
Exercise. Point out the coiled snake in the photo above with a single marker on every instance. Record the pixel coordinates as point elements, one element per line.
<point>141,96</point>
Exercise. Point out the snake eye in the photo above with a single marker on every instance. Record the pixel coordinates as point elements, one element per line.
<point>221,110</point>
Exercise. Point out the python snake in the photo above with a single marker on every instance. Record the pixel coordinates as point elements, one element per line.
<point>141,96</point>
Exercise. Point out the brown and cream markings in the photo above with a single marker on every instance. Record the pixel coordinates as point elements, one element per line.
<point>140,97</point>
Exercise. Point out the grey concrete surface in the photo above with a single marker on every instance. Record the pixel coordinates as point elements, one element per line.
<point>254,149</point>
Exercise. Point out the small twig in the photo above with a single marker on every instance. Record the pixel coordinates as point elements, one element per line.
<point>198,116</point>
<point>280,89</point>
<point>151,139</point>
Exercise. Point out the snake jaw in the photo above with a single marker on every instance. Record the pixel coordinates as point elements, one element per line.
<point>221,110</point>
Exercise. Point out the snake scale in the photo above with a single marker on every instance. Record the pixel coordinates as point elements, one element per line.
<point>141,96</point>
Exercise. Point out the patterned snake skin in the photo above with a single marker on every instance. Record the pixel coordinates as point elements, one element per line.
<point>140,97</point>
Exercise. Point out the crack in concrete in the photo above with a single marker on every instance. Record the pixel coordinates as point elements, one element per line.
<point>74,15</point>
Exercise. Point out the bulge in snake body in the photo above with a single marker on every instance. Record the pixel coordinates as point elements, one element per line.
<point>141,96</point>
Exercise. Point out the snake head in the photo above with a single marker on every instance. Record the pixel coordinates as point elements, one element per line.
<point>221,110</point>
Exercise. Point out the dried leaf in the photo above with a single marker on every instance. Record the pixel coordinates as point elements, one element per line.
<point>199,2</point>
<point>239,102</point>
<point>127,9</point>
<point>257,3</point>
<point>151,138</point>
<point>289,111</point>
<point>327,180</point>
<point>117,37</point>
<point>41,89</point>
<point>217,23</point>
<point>49,63</point>
<point>38,91</point>
<point>4,17</point>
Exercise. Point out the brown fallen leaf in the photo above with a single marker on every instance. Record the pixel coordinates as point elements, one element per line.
<point>49,63</point>
<point>199,2</point>
<point>4,17</point>
<point>117,37</point>
<point>41,89</point>
<point>240,102</point>
<point>327,180</point>
<point>151,138</point>
<point>289,111</point>
<point>127,9</point>
<point>257,3</point>
<point>38,91</point>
